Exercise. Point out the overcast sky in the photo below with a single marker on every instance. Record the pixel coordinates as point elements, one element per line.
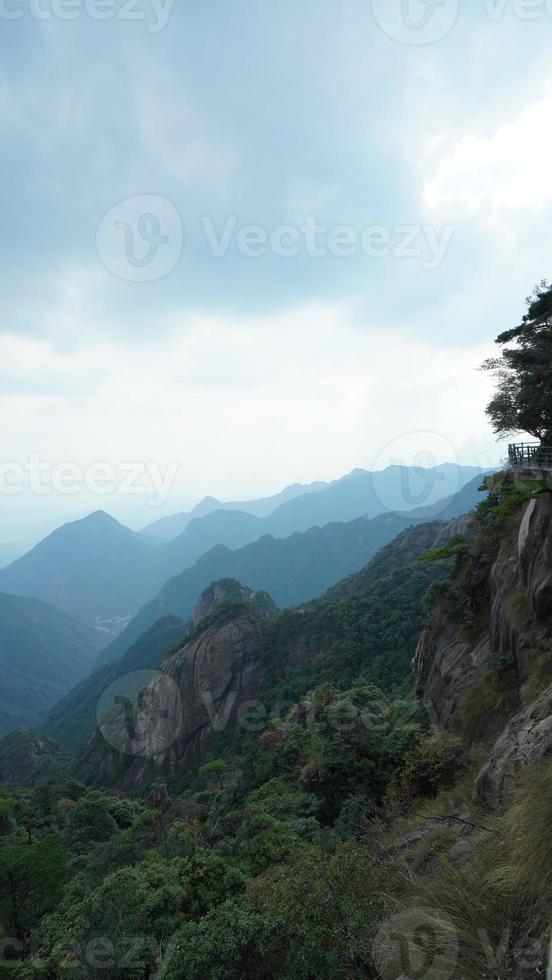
<point>253,242</point>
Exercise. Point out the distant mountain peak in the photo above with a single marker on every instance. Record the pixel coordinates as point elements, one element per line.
<point>101,517</point>
<point>98,520</point>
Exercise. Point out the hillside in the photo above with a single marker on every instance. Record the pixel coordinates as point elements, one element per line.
<point>102,572</point>
<point>291,570</point>
<point>403,550</point>
<point>237,654</point>
<point>356,496</point>
<point>72,721</point>
<point>27,758</point>
<point>290,759</point>
<point>436,828</point>
<point>43,653</point>
<point>9,553</point>
<point>361,494</point>
<point>94,568</point>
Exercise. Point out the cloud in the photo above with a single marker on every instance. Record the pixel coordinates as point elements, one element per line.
<point>508,170</point>
<point>258,372</point>
<point>248,406</point>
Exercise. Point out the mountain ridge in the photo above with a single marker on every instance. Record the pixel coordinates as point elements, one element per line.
<point>103,572</point>
<point>292,570</point>
<point>43,653</point>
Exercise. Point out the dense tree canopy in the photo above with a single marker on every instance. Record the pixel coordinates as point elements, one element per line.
<point>523,401</point>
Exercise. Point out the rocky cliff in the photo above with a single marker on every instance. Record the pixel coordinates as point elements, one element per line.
<point>173,724</point>
<point>230,590</point>
<point>484,663</point>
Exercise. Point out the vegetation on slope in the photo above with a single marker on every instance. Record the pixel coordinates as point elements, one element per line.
<point>43,653</point>
<point>229,877</point>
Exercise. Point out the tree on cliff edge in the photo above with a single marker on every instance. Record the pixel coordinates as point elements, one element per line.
<point>523,401</point>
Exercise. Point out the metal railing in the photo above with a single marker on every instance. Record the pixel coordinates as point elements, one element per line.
<point>530,456</point>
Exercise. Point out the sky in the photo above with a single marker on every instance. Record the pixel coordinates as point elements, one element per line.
<point>249,243</point>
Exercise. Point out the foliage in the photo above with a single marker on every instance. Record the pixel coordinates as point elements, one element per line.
<point>498,905</point>
<point>27,758</point>
<point>457,545</point>
<point>31,879</point>
<point>437,759</point>
<point>372,632</point>
<point>234,879</point>
<point>501,661</point>
<point>464,598</point>
<point>523,402</point>
<point>276,858</point>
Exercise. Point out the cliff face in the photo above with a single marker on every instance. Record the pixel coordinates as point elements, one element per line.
<point>230,590</point>
<point>493,679</point>
<point>186,705</point>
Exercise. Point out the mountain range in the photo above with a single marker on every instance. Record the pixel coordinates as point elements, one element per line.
<point>101,571</point>
<point>74,719</point>
<point>168,528</point>
<point>292,570</point>
<point>299,507</point>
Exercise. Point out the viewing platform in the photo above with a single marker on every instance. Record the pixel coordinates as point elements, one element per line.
<point>530,456</point>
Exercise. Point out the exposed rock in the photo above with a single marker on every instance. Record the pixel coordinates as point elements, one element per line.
<point>460,526</point>
<point>450,666</point>
<point>460,853</point>
<point>535,554</point>
<point>198,694</point>
<point>230,590</point>
<point>421,847</point>
<point>526,738</point>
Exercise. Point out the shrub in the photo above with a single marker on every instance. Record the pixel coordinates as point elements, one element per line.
<point>434,763</point>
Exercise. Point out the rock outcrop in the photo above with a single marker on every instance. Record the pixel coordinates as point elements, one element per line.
<point>197,695</point>
<point>508,647</point>
<point>450,666</point>
<point>526,738</point>
<point>230,590</point>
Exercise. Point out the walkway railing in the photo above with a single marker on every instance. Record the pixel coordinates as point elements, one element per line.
<point>530,456</point>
